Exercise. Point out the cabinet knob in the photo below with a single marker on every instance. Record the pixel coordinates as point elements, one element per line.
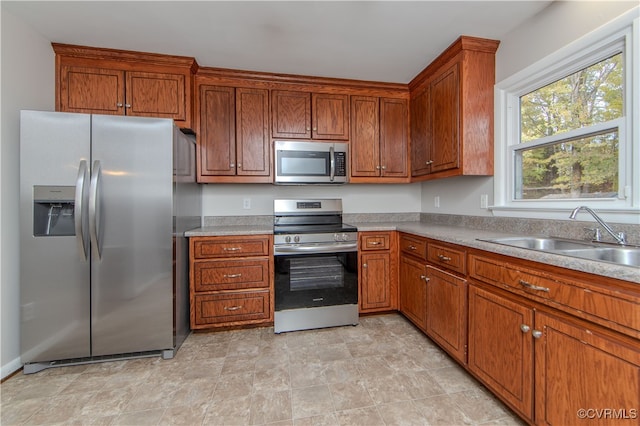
<point>536,334</point>
<point>119,104</point>
<point>127,105</point>
<point>232,165</point>
<point>425,278</point>
<point>239,165</point>
<point>525,328</point>
<point>384,167</point>
<point>377,167</point>
<point>412,247</point>
<point>315,129</point>
<point>364,265</point>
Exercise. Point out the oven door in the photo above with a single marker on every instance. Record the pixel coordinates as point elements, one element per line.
<point>315,279</point>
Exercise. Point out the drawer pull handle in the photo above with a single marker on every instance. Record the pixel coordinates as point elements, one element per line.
<point>232,275</point>
<point>232,308</point>
<point>232,248</point>
<point>412,247</point>
<point>525,328</point>
<point>444,258</point>
<point>374,243</point>
<point>523,283</point>
<point>536,334</point>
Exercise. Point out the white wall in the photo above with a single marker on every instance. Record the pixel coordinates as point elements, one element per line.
<point>27,82</point>
<point>552,28</point>
<point>227,199</point>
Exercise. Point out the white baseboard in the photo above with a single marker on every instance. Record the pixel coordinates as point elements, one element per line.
<point>10,367</point>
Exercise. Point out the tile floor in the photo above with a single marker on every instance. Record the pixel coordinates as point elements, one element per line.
<point>382,372</point>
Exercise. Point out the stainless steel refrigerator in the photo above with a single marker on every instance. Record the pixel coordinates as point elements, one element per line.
<point>104,204</point>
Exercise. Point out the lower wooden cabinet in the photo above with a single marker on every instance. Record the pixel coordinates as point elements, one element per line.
<point>378,275</point>
<point>501,347</point>
<point>584,375</point>
<point>231,281</point>
<point>447,311</point>
<point>413,291</point>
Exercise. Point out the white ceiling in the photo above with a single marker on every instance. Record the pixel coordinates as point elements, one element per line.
<point>387,41</point>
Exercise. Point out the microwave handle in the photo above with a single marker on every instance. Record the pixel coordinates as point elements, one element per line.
<point>332,160</point>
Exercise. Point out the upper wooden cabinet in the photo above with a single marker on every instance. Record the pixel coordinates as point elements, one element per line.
<point>108,81</point>
<point>233,134</point>
<point>379,139</point>
<point>305,115</point>
<point>452,112</point>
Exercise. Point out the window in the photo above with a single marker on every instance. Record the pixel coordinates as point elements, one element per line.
<point>565,131</point>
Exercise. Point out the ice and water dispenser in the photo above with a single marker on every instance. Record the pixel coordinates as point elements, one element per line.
<point>53,210</point>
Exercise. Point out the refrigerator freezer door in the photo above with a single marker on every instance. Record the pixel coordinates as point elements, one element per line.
<point>54,273</point>
<point>131,279</point>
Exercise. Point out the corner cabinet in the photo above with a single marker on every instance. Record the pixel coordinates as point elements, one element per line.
<point>232,131</point>
<point>231,281</point>
<point>379,139</point>
<point>378,277</point>
<point>305,115</point>
<point>452,112</point>
<point>116,82</point>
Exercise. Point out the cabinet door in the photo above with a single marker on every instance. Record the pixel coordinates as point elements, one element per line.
<point>156,95</point>
<point>445,120</point>
<point>447,312</point>
<point>413,291</point>
<point>501,347</point>
<point>217,133</point>
<point>92,90</point>
<point>291,114</point>
<point>420,125</point>
<point>365,136</point>
<point>252,127</point>
<point>375,281</point>
<point>394,128</point>
<point>330,118</point>
<point>579,369</point>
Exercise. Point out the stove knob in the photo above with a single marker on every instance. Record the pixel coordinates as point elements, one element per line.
<point>287,239</point>
<point>345,237</point>
<point>296,239</point>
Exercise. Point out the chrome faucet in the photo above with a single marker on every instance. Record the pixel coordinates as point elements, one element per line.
<point>620,237</point>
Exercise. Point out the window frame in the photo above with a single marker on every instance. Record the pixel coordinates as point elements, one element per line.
<point>620,35</point>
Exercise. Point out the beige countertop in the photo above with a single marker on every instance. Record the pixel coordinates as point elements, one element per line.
<point>456,235</point>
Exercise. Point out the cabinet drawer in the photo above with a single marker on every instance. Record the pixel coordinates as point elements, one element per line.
<point>231,274</point>
<point>447,257</point>
<point>413,246</point>
<point>230,308</point>
<point>485,269</point>
<point>374,242</point>
<point>214,247</point>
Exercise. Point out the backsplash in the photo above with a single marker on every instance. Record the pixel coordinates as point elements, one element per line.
<point>574,229</point>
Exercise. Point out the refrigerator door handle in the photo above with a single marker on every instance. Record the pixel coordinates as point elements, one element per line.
<point>79,209</point>
<point>94,208</point>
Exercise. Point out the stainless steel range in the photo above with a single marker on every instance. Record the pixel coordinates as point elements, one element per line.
<point>316,265</point>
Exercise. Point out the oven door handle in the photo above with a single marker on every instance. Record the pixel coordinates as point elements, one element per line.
<point>315,248</point>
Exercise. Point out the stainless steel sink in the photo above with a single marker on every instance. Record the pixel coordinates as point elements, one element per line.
<point>542,243</point>
<point>629,256</point>
<point>620,255</point>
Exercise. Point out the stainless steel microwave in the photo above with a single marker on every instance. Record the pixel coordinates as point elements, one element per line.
<point>310,162</point>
